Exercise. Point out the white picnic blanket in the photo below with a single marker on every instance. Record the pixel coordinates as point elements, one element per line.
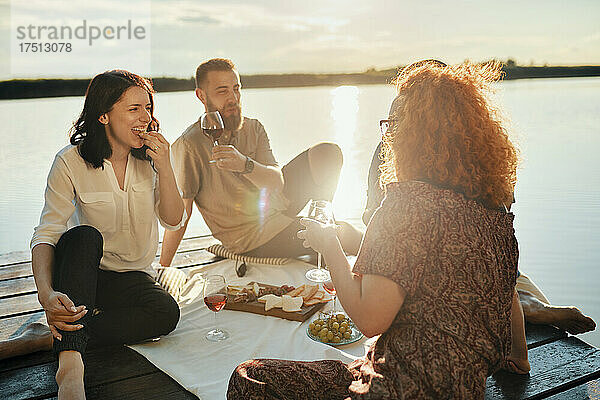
<point>204,367</point>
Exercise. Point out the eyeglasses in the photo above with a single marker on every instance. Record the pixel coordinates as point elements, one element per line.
<point>384,125</point>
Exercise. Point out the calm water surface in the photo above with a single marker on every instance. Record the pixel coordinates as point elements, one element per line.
<point>556,123</point>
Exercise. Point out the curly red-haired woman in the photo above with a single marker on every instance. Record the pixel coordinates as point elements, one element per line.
<point>435,275</point>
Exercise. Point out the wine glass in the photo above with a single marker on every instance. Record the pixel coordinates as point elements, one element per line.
<point>215,298</point>
<point>321,211</point>
<point>329,288</point>
<point>212,125</point>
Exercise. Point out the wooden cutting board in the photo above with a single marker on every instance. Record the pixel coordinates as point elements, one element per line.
<point>259,308</point>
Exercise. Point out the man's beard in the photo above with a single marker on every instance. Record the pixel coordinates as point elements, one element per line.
<point>232,122</point>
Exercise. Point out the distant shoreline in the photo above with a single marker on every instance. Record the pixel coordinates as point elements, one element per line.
<point>40,88</point>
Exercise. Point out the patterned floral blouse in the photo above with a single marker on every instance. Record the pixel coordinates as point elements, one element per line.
<point>457,262</point>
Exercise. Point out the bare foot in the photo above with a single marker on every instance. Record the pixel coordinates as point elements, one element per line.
<point>69,376</point>
<point>569,319</point>
<point>36,337</point>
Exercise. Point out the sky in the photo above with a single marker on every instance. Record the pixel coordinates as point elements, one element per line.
<point>270,36</point>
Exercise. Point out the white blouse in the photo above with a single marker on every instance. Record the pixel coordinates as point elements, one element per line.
<point>78,194</point>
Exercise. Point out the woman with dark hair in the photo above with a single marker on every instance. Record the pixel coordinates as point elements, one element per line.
<point>435,274</point>
<point>109,186</point>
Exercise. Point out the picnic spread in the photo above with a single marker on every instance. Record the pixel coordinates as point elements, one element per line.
<point>204,367</point>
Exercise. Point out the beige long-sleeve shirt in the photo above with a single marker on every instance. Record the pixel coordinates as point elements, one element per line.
<point>78,194</point>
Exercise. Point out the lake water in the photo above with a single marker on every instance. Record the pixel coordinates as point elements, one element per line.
<point>556,122</point>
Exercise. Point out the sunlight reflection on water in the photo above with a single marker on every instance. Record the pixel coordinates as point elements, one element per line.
<point>344,113</point>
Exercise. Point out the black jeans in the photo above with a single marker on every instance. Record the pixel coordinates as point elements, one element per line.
<point>123,307</point>
<point>299,188</point>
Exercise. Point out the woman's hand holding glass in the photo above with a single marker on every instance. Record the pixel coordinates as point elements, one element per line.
<point>321,237</point>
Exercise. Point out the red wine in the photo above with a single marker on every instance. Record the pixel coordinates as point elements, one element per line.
<point>214,133</point>
<point>329,288</point>
<point>215,302</point>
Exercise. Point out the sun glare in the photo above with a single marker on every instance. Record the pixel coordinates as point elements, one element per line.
<point>344,113</point>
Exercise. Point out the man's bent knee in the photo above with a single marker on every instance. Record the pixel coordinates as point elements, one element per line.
<point>325,161</point>
<point>326,152</point>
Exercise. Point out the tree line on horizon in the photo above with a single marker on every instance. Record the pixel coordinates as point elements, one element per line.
<point>37,88</point>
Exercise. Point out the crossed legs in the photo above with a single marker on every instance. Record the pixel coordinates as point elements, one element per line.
<point>128,307</point>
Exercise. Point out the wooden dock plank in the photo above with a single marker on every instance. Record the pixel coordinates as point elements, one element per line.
<point>17,286</point>
<point>29,310</point>
<point>556,366</point>
<point>13,272</point>
<point>156,386</point>
<point>589,390</point>
<point>28,360</point>
<point>27,303</point>
<point>15,257</point>
<point>103,366</point>
<point>188,243</point>
<point>538,335</point>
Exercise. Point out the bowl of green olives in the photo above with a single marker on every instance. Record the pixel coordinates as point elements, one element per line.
<point>333,329</point>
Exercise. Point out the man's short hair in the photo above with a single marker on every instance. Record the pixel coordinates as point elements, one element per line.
<point>216,64</point>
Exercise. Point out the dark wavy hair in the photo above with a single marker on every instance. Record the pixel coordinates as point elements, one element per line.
<point>103,92</point>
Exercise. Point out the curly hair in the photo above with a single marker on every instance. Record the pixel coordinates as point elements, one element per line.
<point>445,131</point>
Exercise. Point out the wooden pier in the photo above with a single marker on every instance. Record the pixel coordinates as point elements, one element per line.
<point>562,367</point>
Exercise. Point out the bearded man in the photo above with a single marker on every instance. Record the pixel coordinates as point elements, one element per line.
<point>247,201</point>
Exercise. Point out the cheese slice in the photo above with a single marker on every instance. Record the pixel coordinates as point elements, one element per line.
<point>291,304</point>
<point>263,299</point>
<point>272,302</point>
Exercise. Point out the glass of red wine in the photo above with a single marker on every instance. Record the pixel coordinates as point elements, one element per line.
<point>215,298</point>
<point>212,125</point>
<point>329,288</point>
